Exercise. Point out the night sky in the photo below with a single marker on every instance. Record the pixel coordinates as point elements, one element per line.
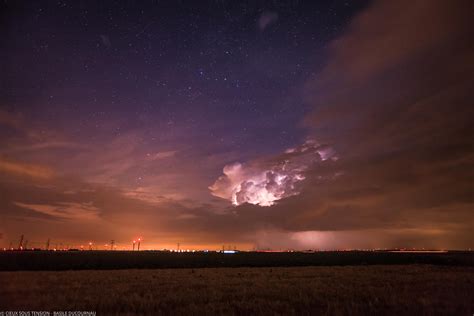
<point>279,124</point>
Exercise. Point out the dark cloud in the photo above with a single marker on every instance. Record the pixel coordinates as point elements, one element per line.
<point>394,100</point>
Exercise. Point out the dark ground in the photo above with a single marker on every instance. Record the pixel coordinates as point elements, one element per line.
<point>157,283</point>
<point>337,290</point>
<point>96,260</point>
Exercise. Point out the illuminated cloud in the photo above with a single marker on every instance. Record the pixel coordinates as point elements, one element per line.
<point>353,239</point>
<point>264,183</point>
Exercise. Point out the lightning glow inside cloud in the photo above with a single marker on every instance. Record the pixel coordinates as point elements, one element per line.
<point>264,183</point>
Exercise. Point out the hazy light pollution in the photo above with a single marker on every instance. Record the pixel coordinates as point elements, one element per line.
<point>309,124</point>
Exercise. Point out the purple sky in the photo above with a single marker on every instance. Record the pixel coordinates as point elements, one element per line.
<point>257,124</point>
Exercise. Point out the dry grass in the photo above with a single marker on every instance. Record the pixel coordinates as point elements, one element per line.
<point>404,289</point>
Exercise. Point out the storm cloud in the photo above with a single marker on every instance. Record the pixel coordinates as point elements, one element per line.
<point>265,182</point>
<point>388,161</point>
<point>394,100</point>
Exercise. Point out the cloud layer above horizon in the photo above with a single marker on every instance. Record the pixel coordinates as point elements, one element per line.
<point>387,162</point>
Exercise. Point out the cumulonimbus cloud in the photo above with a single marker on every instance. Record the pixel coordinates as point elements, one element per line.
<point>263,183</point>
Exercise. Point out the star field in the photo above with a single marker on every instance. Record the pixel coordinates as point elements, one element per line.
<point>274,124</point>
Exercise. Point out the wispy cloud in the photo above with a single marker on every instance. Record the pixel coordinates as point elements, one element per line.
<point>65,210</point>
<point>266,19</point>
<point>26,169</point>
<point>160,155</point>
<point>44,145</point>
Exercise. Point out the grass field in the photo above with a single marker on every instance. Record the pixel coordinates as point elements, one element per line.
<point>362,290</point>
<point>360,283</point>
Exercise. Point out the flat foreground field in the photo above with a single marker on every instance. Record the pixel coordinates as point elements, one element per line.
<point>120,260</point>
<point>375,289</point>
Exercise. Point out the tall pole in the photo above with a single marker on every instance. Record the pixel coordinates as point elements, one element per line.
<point>20,245</point>
<point>112,242</point>
<point>133,249</point>
<point>139,240</point>
<point>47,244</point>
